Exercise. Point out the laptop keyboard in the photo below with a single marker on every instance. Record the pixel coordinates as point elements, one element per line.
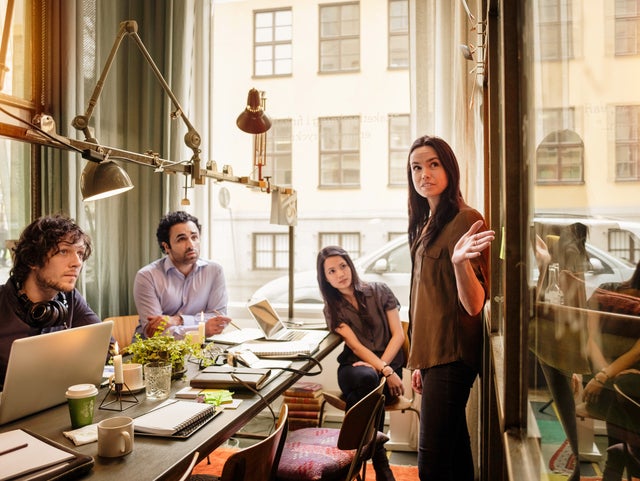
<point>294,335</point>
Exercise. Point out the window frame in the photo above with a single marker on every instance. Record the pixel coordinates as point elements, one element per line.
<point>339,153</point>
<point>342,40</point>
<point>273,251</point>
<point>341,240</point>
<point>274,44</point>
<point>395,34</point>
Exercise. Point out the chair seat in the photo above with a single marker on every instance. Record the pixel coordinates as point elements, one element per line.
<point>311,454</point>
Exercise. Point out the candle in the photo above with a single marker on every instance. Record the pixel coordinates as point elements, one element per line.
<point>117,369</point>
<point>201,331</point>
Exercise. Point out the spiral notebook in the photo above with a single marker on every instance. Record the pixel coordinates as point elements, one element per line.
<point>176,419</point>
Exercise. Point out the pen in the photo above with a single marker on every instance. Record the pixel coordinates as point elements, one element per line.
<point>218,313</point>
<point>15,448</point>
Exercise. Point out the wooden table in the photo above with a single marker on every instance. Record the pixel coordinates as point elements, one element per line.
<point>155,458</point>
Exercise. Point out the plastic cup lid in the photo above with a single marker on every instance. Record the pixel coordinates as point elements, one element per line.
<point>81,390</point>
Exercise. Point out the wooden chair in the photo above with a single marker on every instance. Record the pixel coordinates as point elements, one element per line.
<point>336,454</point>
<point>257,462</point>
<point>399,403</point>
<point>123,329</point>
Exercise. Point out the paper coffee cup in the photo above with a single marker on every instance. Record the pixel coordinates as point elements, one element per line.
<point>81,400</point>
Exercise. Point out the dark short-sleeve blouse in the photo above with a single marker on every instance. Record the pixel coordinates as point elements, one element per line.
<point>372,330</point>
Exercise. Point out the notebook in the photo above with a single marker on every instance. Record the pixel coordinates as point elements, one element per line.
<point>270,327</point>
<point>27,455</point>
<point>277,349</point>
<point>41,368</point>
<point>176,419</point>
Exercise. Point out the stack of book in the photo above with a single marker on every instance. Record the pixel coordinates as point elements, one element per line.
<point>304,399</point>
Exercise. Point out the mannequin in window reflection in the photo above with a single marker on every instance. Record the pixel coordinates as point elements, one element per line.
<point>40,296</point>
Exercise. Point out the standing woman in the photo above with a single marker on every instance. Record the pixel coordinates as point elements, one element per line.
<point>448,241</point>
<point>366,316</point>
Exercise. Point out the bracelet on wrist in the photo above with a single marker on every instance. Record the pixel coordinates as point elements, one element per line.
<point>387,375</point>
<point>603,371</point>
<point>598,381</point>
<point>384,364</point>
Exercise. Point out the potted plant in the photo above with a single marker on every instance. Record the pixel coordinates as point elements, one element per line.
<point>162,347</point>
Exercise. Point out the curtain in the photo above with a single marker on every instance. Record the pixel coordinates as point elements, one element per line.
<point>132,113</point>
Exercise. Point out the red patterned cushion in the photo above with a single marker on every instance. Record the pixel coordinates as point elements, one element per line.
<point>311,454</point>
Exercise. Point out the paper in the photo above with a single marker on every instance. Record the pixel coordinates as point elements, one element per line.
<point>37,455</point>
<point>172,417</point>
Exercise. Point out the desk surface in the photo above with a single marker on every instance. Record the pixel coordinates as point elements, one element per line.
<point>161,458</point>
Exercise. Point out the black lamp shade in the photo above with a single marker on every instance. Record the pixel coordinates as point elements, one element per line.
<point>104,179</point>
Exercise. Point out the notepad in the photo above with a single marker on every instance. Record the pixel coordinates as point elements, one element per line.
<point>278,349</point>
<point>175,419</point>
<point>37,455</point>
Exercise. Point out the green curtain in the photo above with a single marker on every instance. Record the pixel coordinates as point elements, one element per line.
<point>133,114</point>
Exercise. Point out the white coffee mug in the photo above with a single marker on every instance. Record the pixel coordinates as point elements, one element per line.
<point>115,437</point>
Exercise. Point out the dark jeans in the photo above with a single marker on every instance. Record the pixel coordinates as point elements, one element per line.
<point>356,382</point>
<point>444,452</point>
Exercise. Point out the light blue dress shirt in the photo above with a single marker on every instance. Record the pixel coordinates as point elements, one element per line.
<point>160,288</point>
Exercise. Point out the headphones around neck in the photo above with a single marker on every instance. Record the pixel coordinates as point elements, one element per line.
<point>41,315</point>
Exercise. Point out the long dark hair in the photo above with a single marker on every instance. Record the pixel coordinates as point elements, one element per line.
<point>634,281</point>
<point>330,294</point>
<point>450,200</point>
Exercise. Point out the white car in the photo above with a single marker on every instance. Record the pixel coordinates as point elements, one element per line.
<point>391,264</point>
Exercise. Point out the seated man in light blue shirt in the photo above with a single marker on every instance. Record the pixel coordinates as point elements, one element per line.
<point>180,289</point>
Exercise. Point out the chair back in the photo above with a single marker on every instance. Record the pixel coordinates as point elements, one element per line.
<point>360,427</point>
<point>631,408</point>
<point>123,329</point>
<point>259,462</point>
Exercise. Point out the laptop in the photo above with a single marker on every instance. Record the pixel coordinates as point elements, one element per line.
<point>270,328</point>
<point>41,368</point>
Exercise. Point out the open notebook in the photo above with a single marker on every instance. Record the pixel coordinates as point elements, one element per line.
<point>41,368</point>
<point>270,327</point>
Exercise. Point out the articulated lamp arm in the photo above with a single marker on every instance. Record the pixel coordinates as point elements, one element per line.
<point>192,138</point>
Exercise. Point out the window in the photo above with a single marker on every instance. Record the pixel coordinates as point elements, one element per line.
<point>560,158</point>
<point>270,251</point>
<point>339,151</point>
<point>627,27</point>
<point>272,47</point>
<point>624,244</point>
<point>560,155</point>
<point>349,241</point>
<point>399,142</point>
<point>340,37</point>
<point>398,33</point>
<point>279,152</point>
<point>17,85</point>
<point>627,142</point>
<point>556,39</point>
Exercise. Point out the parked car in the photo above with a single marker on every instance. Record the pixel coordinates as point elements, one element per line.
<point>391,264</point>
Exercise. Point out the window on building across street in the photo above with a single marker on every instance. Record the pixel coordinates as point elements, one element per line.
<point>349,241</point>
<point>270,251</point>
<point>339,151</point>
<point>340,37</point>
<point>272,43</point>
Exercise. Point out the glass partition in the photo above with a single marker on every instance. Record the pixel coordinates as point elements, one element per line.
<point>583,143</point>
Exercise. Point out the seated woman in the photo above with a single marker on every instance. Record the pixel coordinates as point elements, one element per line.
<point>366,316</point>
<point>614,351</point>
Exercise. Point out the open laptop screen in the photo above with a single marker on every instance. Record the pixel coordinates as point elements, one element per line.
<point>266,317</point>
<point>41,368</point>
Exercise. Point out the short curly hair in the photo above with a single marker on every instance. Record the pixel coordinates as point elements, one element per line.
<point>39,241</point>
<point>169,220</point>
